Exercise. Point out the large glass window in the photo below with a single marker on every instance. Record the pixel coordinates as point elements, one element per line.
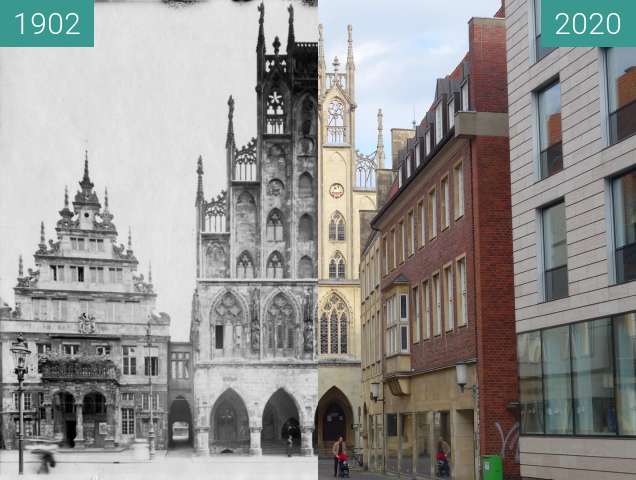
<point>625,344</point>
<point>530,382</point>
<point>621,86</point>
<point>593,379</point>
<point>550,138</point>
<point>541,52</point>
<point>557,384</point>
<point>555,252</point>
<point>624,203</point>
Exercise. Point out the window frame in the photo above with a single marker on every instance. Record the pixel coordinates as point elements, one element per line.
<point>459,186</point>
<point>541,250</point>
<point>445,203</point>
<point>431,223</point>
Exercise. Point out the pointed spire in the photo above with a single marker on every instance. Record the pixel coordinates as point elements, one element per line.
<point>106,199</point>
<point>321,45</point>
<point>20,267</point>
<point>149,272</point>
<point>230,124</point>
<point>379,154</point>
<point>199,180</point>
<point>260,46</point>
<point>336,65</point>
<point>129,239</point>
<point>276,45</point>
<point>86,183</point>
<point>350,45</point>
<point>42,236</point>
<point>291,36</point>
<point>65,196</point>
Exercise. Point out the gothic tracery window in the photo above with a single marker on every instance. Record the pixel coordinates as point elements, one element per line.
<point>245,266</point>
<point>335,123</point>
<point>305,228</point>
<point>281,326</point>
<point>305,267</point>
<point>366,167</point>
<point>275,226</point>
<point>334,326</point>
<point>305,186</point>
<point>227,324</point>
<point>275,266</point>
<point>275,115</point>
<point>337,227</point>
<point>337,266</point>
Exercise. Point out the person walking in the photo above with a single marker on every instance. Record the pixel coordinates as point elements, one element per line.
<point>338,449</point>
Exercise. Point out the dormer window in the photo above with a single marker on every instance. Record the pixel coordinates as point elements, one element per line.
<point>439,123</point>
<point>408,166</point>
<point>418,160</point>
<point>400,171</point>
<point>451,112</point>
<point>465,98</point>
<point>428,142</point>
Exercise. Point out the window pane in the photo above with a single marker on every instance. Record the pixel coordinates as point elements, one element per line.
<point>551,151</point>
<point>625,341</point>
<point>530,385</point>
<point>593,378</point>
<point>556,380</point>
<point>624,201</point>
<point>621,83</point>
<point>555,252</point>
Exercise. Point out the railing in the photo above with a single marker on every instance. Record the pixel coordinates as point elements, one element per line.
<point>626,263</point>
<point>552,160</point>
<point>623,122</point>
<point>556,283</point>
<point>336,135</point>
<point>78,371</point>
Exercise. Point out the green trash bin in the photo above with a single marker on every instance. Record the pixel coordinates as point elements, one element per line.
<point>491,467</point>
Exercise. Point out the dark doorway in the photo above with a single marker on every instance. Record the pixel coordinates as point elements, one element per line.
<point>180,424</point>
<point>71,432</point>
<point>230,431</point>
<point>64,418</point>
<point>280,419</point>
<point>334,423</point>
<point>94,412</point>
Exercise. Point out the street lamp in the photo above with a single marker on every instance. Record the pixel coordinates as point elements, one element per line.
<point>20,352</point>
<point>151,427</point>
<point>461,372</point>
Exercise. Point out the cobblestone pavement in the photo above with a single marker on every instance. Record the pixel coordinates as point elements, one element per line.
<point>172,466</point>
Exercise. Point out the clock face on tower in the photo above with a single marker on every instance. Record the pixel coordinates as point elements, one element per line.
<point>336,190</point>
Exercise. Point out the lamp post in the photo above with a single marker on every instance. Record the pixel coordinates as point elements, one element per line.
<point>20,352</point>
<point>151,427</point>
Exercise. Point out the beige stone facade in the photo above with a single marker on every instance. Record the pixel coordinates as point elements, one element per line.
<point>346,187</point>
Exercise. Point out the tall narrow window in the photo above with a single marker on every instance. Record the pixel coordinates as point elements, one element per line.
<point>555,252</point>
<point>418,155</point>
<point>427,138</point>
<point>530,382</point>
<point>437,305</point>
<point>337,227</point>
<point>431,217</point>
<point>624,206</point>
<point>465,97</point>
<point>439,122</point>
<point>550,146</point>
<point>556,380</point>
<point>335,123</point>
<point>426,305</point>
<point>337,266</point>
<point>402,248</point>
<point>128,421</point>
<point>412,236</point>
<point>130,360</point>
<point>445,204</point>
<point>458,190</point>
<point>540,50</point>
<point>621,75</point>
<point>462,303</point>
<point>422,223</point>
<point>415,298</point>
<point>449,314</point>
<point>404,323</point>
<point>451,112</point>
<point>274,228</point>
<point>275,266</point>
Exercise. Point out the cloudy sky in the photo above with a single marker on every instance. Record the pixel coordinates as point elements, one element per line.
<point>401,47</point>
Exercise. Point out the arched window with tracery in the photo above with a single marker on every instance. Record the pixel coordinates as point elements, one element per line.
<point>275,226</point>
<point>245,266</point>
<point>275,113</point>
<point>334,326</point>
<point>275,266</point>
<point>336,133</point>
<point>281,327</point>
<point>305,185</point>
<point>337,227</point>
<point>337,267</point>
<point>305,228</point>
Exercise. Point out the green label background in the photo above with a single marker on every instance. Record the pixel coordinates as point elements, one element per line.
<point>549,25</point>
<point>10,26</point>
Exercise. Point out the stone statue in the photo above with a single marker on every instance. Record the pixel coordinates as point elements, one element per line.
<point>255,333</point>
<point>308,324</point>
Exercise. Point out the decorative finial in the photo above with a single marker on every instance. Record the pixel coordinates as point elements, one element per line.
<point>260,47</point>
<point>229,143</point>
<point>86,183</point>
<point>149,272</point>
<point>20,267</point>
<point>129,239</point>
<point>106,198</point>
<point>200,166</point>
<point>336,64</point>
<point>65,196</point>
<point>42,239</point>
<point>276,45</point>
<point>291,37</point>
<point>261,10</point>
<point>379,155</point>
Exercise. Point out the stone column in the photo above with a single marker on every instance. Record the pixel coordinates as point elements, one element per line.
<point>79,426</point>
<point>111,420</point>
<point>306,439</point>
<point>202,441</point>
<point>255,441</point>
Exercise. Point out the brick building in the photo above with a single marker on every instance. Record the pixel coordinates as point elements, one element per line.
<point>446,278</point>
<point>573,219</point>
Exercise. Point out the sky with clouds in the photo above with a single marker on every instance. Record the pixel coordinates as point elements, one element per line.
<point>400,47</point>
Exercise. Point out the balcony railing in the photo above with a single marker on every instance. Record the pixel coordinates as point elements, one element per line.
<point>81,368</point>
<point>623,122</point>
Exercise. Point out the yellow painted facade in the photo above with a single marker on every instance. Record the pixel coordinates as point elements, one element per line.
<point>346,187</point>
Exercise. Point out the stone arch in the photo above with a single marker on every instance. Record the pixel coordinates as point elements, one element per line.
<point>64,416</point>
<point>337,266</point>
<point>306,267</point>
<point>281,326</point>
<point>334,418</point>
<point>306,228</point>
<point>334,324</point>
<point>275,187</point>
<point>282,416</point>
<point>229,332</point>
<point>94,413</point>
<point>275,267</point>
<point>337,227</point>
<point>180,420</point>
<point>229,424</point>
<point>275,230</point>
<point>305,185</point>
<point>215,257</point>
<point>245,266</point>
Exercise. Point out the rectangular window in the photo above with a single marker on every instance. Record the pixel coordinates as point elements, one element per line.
<point>102,350</point>
<point>385,265</point>
<point>70,349</point>
<point>621,93</point>
<point>402,242</point>
<point>439,122</point>
<point>180,365</point>
<point>394,250</point>
<point>555,252</point>
<point>449,314</point>
<point>92,245</point>
<point>530,382</point>
<point>418,155</point>
<point>80,274</point>
<point>451,113</point>
<point>404,323</point>
<point>130,360</point>
<point>412,236</point>
<point>400,180</point>
<point>458,190</point>
<point>427,138</point>
<point>465,97</point>
<point>421,224</point>
<point>417,333</point>
<point>42,349</point>
<point>437,305</point>
<point>81,244</point>
<point>127,421</point>
<point>624,208</point>
<point>426,305</point>
<point>431,217</point>
<point>151,365</point>
<point>445,204</point>
<point>127,397</point>
<point>557,383</point>
<point>145,401</point>
<point>93,274</point>
<point>26,397</point>
<point>540,51</point>
<point>462,302</point>
<point>550,138</point>
<point>408,166</point>
<point>625,345</point>
<point>218,337</point>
